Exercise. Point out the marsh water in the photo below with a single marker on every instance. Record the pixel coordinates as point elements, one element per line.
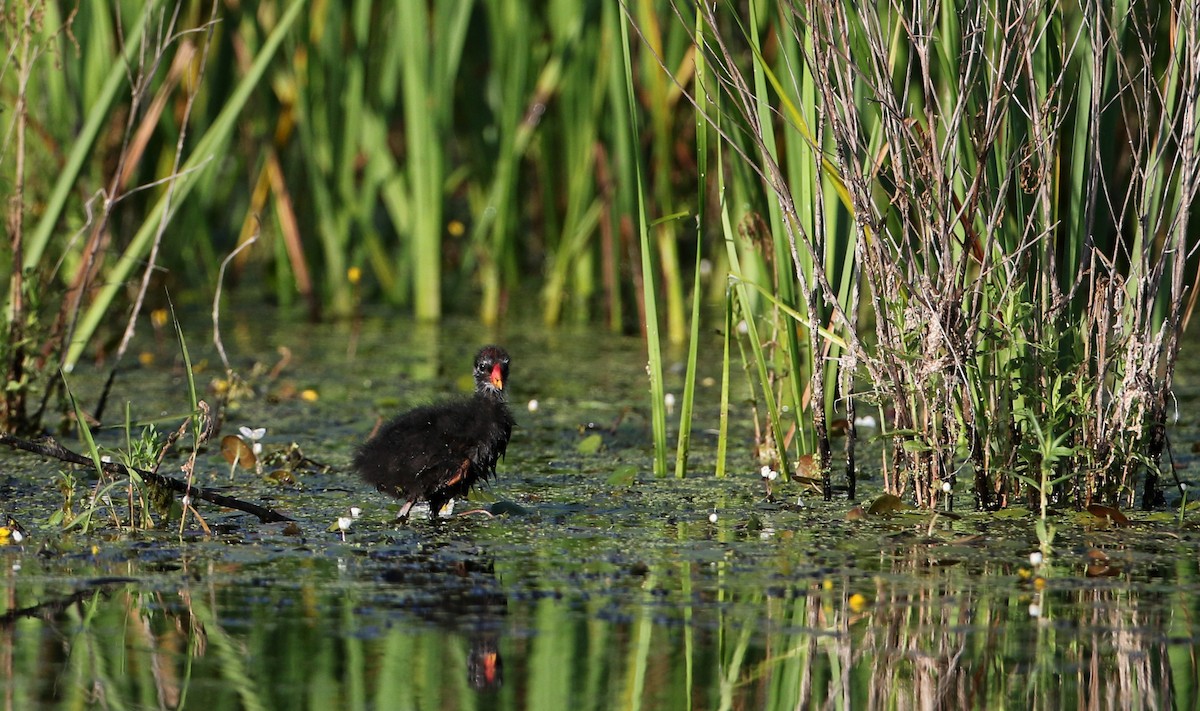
<point>597,585</point>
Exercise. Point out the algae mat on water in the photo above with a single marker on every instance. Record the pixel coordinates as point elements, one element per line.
<point>598,587</point>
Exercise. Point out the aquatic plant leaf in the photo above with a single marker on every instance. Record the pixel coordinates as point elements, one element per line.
<point>590,444</point>
<point>236,451</point>
<point>1012,513</point>
<point>886,504</point>
<point>508,508</point>
<point>806,467</point>
<point>281,476</point>
<point>1107,512</point>
<point>623,476</point>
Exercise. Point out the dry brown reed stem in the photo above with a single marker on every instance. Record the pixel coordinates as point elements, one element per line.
<point>12,405</point>
<point>184,54</point>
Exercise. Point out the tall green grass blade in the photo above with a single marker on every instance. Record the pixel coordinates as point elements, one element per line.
<point>689,384</point>
<point>429,64</point>
<point>85,432</point>
<point>792,358</point>
<point>207,149</point>
<point>82,147</point>
<point>84,519</point>
<point>190,376</point>
<point>659,106</point>
<point>778,453</point>
<point>723,425</point>
<point>689,380</point>
<point>658,411</point>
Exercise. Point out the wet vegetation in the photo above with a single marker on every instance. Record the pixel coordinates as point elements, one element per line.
<point>943,249</point>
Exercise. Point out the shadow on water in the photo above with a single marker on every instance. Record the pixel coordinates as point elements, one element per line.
<point>596,592</point>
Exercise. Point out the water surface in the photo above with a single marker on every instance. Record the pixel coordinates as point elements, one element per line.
<point>600,587</point>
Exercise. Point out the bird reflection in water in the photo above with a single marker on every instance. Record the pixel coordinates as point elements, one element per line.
<point>458,590</point>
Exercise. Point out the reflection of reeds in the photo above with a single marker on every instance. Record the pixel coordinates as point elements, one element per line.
<point>919,635</point>
<point>954,643</point>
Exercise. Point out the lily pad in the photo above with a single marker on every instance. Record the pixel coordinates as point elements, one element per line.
<point>508,508</point>
<point>236,451</point>
<point>1109,513</point>
<point>623,476</point>
<point>590,444</point>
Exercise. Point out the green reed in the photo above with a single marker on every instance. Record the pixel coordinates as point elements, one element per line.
<point>954,164</point>
<point>454,154</point>
<point>921,208</point>
<point>654,366</point>
<point>683,447</point>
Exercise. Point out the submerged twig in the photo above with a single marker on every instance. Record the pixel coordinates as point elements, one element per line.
<point>49,447</point>
<point>50,608</point>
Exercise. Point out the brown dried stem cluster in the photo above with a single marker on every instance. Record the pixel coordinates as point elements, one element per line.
<point>1011,185</point>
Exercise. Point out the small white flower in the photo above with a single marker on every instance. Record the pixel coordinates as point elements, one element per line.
<point>800,502</point>
<point>187,501</point>
<point>1035,558</point>
<point>106,459</point>
<point>865,421</point>
<point>742,328</point>
<point>17,537</point>
<point>253,434</point>
<point>712,517</point>
<point>256,448</point>
<point>1183,486</point>
<point>344,522</point>
<point>946,486</point>
<point>669,399</point>
<point>16,566</point>
<point>533,405</point>
<point>765,472</point>
<point>355,512</point>
<point>1035,610</point>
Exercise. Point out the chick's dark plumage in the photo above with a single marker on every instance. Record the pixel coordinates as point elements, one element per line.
<point>437,452</point>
